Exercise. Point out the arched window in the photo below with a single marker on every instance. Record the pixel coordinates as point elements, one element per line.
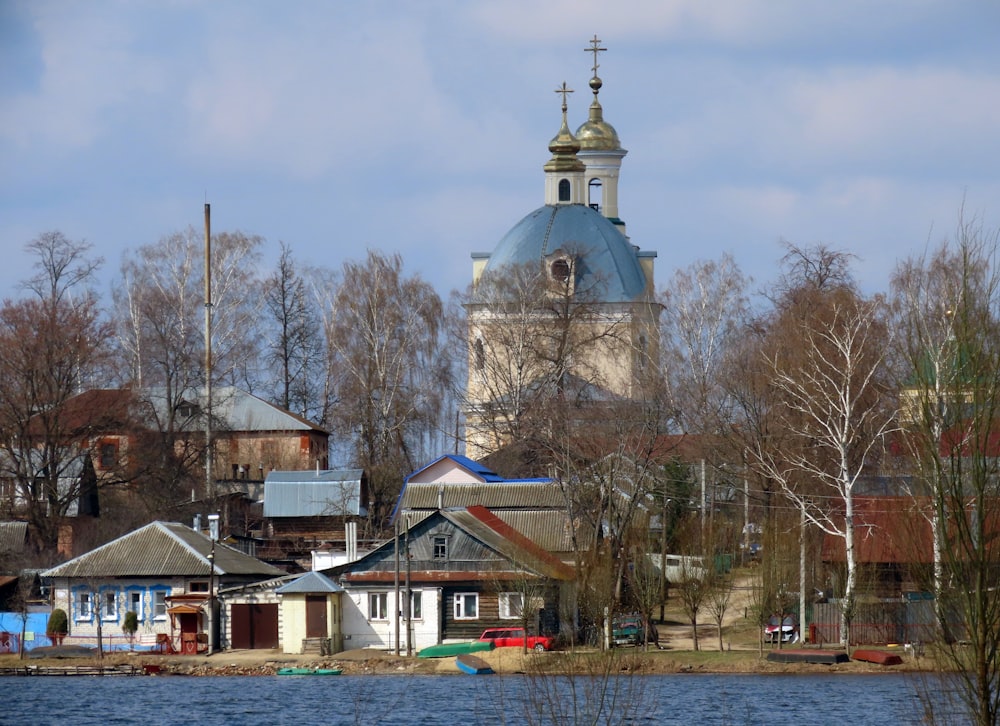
<point>594,194</point>
<point>564,190</point>
<point>642,353</point>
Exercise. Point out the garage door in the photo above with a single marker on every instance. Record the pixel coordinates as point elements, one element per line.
<point>254,626</point>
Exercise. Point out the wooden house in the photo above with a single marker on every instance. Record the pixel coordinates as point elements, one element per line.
<point>462,570</point>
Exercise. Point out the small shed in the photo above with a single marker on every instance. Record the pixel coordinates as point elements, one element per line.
<point>312,614</point>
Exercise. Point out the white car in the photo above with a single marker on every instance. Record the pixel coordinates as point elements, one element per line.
<point>787,630</point>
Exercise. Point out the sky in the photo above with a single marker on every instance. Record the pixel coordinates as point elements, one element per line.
<point>421,127</point>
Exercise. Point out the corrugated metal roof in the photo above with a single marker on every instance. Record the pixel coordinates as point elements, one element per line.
<point>494,532</point>
<point>551,529</point>
<point>497,495</point>
<point>161,549</point>
<point>310,582</point>
<point>327,493</point>
<point>236,410</point>
<point>13,535</point>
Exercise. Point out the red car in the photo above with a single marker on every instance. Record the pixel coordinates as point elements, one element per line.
<point>516,638</point>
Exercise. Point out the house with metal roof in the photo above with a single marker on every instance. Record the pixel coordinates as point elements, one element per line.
<point>462,570</point>
<point>536,507</point>
<point>305,511</point>
<point>166,573</point>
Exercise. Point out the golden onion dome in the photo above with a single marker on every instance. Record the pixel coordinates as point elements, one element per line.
<point>595,133</point>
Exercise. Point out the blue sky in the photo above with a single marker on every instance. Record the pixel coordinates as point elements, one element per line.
<point>422,127</point>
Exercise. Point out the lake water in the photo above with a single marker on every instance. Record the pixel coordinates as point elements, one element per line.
<point>452,700</point>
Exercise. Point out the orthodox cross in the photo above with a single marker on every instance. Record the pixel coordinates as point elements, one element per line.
<point>595,48</point>
<point>564,90</point>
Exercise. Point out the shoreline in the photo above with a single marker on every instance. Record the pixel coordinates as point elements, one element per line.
<point>504,661</point>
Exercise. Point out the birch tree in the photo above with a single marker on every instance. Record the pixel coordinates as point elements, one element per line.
<point>950,305</point>
<point>294,344</point>
<point>160,321</point>
<point>383,329</point>
<point>833,410</point>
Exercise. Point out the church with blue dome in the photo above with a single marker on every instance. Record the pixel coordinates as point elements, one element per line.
<point>564,306</point>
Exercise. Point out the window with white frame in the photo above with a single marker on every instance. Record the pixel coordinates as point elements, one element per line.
<point>84,605</point>
<point>109,605</point>
<point>378,606</point>
<point>134,602</point>
<point>159,604</point>
<point>466,605</point>
<point>416,605</point>
<point>511,605</point>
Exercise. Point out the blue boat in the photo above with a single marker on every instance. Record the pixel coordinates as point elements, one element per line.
<point>473,665</point>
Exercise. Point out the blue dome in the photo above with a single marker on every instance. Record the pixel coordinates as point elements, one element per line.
<point>604,256</point>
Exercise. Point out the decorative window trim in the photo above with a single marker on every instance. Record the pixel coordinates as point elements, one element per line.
<point>108,596</point>
<point>140,609</point>
<point>461,606</point>
<point>158,600</point>
<point>83,605</point>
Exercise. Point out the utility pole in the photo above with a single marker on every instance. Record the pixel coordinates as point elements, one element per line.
<point>209,483</point>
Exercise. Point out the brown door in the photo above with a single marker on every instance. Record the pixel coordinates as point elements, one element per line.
<point>316,617</point>
<point>254,626</point>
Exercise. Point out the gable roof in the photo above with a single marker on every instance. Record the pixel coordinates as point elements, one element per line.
<point>464,482</point>
<point>309,583</point>
<point>319,493</point>
<point>433,471</point>
<point>492,531</point>
<point>481,525</point>
<point>161,549</point>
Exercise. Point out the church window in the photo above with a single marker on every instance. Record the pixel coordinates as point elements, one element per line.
<point>594,194</point>
<point>560,270</point>
<point>642,352</point>
<point>564,190</point>
<point>480,354</point>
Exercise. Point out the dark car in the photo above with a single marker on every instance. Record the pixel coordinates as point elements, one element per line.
<point>630,630</point>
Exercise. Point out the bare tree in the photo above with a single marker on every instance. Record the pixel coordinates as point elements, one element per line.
<point>950,313</point>
<point>160,322</point>
<point>383,330</point>
<point>52,343</point>
<point>834,413</point>
<point>294,341</point>
<point>704,308</point>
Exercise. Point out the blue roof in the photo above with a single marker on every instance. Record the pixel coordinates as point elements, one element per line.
<point>474,466</point>
<point>606,257</point>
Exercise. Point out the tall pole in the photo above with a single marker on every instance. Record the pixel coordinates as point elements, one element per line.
<point>213,533</point>
<point>409,592</point>
<point>395,588</point>
<point>209,484</point>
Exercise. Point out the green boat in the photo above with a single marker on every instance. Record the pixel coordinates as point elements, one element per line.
<point>309,671</point>
<point>449,650</point>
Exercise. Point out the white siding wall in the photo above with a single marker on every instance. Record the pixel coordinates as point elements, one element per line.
<point>362,632</point>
